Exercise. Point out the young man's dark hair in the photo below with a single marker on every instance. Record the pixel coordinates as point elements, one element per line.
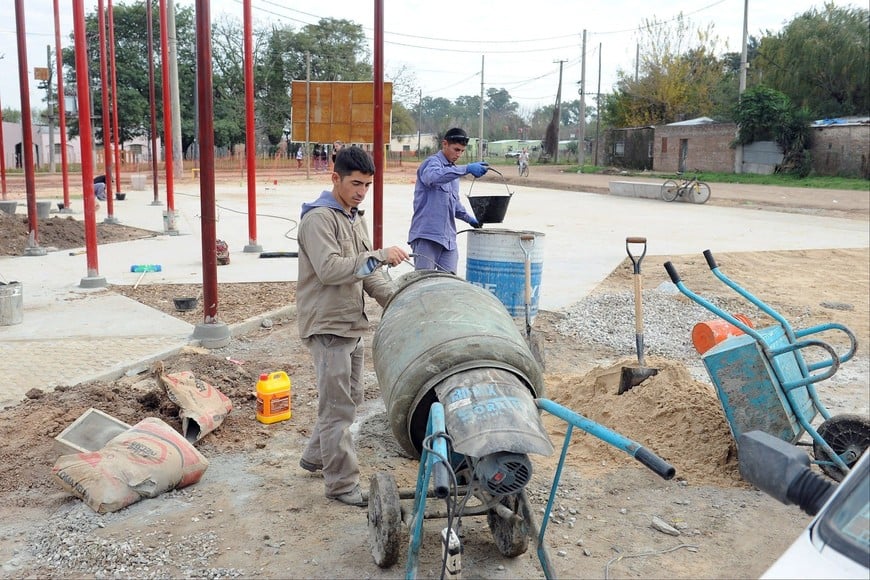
<point>456,135</point>
<point>351,159</point>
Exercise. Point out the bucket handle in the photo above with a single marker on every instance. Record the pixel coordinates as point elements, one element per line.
<point>503,178</point>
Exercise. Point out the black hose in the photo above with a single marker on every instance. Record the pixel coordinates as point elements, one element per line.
<point>809,491</point>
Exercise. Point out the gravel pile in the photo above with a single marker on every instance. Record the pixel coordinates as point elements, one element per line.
<point>668,317</point>
<point>71,544</point>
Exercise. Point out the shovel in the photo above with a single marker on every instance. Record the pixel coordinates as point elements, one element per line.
<point>633,376</point>
<point>527,243</point>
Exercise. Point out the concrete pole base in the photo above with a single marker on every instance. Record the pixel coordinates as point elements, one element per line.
<point>253,249</point>
<point>35,251</point>
<point>214,335</point>
<point>93,282</point>
<point>156,202</point>
<point>110,219</point>
<point>170,225</point>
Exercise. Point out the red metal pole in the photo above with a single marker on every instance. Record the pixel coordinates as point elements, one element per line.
<point>26,123</point>
<point>105,113</point>
<point>250,143</point>
<point>379,125</point>
<point>206,158</point>
<point>2,158</point>
<point>61,107</point>
<point>85,134</point>
<point>152,100</point>
<point>167,109</point>
<point>115,123</point>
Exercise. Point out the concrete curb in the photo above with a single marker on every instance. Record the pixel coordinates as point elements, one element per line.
<point>143,365</point>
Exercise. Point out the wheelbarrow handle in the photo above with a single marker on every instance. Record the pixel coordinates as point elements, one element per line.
<point>672,272</point>
<point>711,261</point>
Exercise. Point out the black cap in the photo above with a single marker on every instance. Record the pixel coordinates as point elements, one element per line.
<point>456,135</point>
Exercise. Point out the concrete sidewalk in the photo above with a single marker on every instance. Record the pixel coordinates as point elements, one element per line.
<point>70,334</point>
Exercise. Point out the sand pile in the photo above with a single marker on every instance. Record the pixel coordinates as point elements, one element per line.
<point>673,415</point>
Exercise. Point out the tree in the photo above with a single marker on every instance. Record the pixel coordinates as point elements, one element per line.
<point>11,115</point>
<point>676,77</point>
<point>821,61</point>
<point>403,122</point>
<point>765,114</point>
<point>131,61</point>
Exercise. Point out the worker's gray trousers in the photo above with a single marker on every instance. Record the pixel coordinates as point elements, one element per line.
<point>338,362</point>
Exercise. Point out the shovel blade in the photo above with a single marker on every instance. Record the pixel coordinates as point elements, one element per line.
<point>633,376</point>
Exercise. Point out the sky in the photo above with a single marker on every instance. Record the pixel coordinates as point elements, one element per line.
<point>451,47</point>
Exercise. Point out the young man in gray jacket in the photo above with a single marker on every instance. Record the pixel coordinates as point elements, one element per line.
<point>334,246</point>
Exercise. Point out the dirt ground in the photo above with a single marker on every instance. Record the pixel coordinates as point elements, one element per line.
<point>256,514</point>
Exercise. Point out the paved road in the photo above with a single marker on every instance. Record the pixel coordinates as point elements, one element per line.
<point>70,334</point>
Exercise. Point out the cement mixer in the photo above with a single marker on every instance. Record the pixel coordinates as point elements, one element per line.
<point>464,393</point>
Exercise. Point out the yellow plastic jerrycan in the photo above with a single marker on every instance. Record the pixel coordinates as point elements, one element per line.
<point>273,397</point>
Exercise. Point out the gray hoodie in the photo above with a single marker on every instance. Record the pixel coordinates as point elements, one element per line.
<point>333,246</point>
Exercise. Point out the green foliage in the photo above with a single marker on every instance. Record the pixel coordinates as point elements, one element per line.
<point>761,113</point>
<point>11,115</point>
<point>403,122</point>
<point>678,75</point>
<point>821,60</point>
<point>765,114</point>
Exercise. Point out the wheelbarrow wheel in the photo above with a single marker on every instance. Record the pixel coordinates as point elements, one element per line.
<point>511,536</point>
<point>384,520</point>
<point>848,436</point>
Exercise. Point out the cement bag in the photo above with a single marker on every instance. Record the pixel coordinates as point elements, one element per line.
<point>202,407</point>
<point>146,460</point>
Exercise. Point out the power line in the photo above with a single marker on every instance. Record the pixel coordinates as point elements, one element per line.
<point>450,40</point>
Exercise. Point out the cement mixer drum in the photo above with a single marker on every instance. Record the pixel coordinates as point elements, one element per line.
<point>437,326</point>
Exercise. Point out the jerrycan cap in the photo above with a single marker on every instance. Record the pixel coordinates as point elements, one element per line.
<point>264,377</point>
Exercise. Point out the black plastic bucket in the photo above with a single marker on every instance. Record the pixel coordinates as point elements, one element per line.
<point>489,209</point>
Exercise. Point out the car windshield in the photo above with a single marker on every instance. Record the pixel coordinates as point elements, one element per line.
<point>845,525</point>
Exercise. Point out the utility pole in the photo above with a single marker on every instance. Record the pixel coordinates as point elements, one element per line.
<point>51,168</point>
<point>598,108</point>
<point>738,152</point>
<point>419,123</point>
<point>581,123</point>
<point>174,147</point>
<point>480,138</point>
<point>558,110</point>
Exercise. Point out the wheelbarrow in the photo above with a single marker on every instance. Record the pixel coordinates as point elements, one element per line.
<point>764,382</point>
<point>447,475</point>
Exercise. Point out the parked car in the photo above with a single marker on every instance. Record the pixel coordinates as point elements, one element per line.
<point>836,544</point>
<point>512,154</point>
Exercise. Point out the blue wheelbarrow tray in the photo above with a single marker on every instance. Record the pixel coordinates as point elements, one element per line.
<point>751,394</point>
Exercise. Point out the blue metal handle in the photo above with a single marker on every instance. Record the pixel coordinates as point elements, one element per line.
<point>834,362</point>
<point>853,342</point>
<point>636,450</point>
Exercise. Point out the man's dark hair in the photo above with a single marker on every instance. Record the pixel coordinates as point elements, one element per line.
<point>351,159</point>
<point>456,135</point>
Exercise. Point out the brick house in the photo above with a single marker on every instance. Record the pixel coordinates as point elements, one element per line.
<point>697,144</point>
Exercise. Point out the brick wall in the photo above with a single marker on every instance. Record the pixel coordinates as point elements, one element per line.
<point>841,150</point>
<point>708,147</point>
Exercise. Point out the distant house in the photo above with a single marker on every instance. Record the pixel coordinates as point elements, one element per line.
<point>700,144</point>
<point>842,147</point>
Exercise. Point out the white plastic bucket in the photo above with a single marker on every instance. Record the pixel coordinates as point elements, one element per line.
<point>11,303</point>
<point>137,182</point>
<point>495,260</point>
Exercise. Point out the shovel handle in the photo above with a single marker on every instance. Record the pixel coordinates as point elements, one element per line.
<point>527,264</point>
<point>635,259</point>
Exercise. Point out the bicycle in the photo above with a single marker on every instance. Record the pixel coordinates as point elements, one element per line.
<point>523,168</point>
<point>697,191</point>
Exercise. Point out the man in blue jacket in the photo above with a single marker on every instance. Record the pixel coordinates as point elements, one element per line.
<point>436,204</point>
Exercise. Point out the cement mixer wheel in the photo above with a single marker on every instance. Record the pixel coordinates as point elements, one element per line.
<point>385,520</point>
<point>845,434</point>
<point>510,537</point>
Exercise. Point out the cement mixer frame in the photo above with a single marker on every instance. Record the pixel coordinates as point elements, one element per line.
<point>509,517</point>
